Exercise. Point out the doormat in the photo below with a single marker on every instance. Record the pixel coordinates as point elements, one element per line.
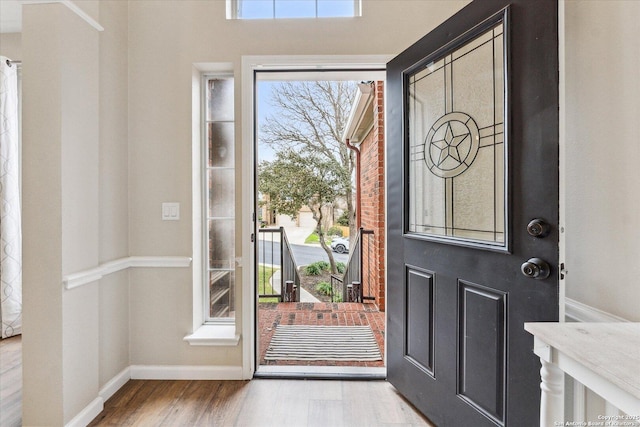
<point>300,342</point>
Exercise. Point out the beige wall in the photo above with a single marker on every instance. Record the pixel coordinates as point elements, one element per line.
<point>602,155</point>
<point>165,39</point>
<point>11,45</point>
<point>113,188</point>
<point>42,212</point>
<point>75,172</point>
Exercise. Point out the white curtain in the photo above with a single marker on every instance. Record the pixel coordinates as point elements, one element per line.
<point>10,222</point>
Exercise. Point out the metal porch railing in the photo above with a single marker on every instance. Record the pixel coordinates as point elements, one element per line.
<point>274,251</point>
<point>356,285</point>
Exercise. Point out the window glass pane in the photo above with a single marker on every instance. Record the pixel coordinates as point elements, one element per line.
<point>335,8</point>
<point>221,243</point>
<point>222,293</point>
<point>221,283</point>
<point>295,9</point>
<point>221,193</point>
<point>456,143</point>
<point>255,9</point>
<point>220,137</point>
<point>220,100</point>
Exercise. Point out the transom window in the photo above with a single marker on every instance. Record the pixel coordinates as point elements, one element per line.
<point>282,9</point>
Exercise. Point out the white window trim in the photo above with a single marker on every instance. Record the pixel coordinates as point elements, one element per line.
<point>224,333</point>
<point>250,64</point>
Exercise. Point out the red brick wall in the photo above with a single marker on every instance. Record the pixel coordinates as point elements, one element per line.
<point>372,187</point>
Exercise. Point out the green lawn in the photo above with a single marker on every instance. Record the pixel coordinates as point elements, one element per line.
<point>264,285</point>
<point>313,238</point>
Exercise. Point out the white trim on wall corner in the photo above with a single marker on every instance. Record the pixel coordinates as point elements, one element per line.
<point>74,8</point>
<point>576,311</point>
<point>115,383</point>
<point>87,415</point>
<point>182,372</point>
<point>90,275</point>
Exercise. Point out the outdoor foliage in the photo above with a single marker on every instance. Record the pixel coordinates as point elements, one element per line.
<point>324,288</point>
<point>334,231</point>
<point>309,117</point>
<point>341,267</point>
<point>343,219</point>
<point>293,180</point>
<point>264,283</point>
<point>316,268</point>
<point>313,238</point>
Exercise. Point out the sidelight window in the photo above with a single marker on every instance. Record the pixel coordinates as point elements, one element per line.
<point>219,200</point>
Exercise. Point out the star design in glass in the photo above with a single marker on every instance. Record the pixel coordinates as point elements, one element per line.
<point>449,146</point>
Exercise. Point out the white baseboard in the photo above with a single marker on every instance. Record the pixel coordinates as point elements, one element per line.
<point>115,383</point>
<point>578,312</point>
<point>179,372</point>
<point>152,372</point>
<point>87,415</point>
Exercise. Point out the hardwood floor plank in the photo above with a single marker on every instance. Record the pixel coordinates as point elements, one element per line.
<point>11,382</point>
<point>260,402</point>
<point>324,413</point>
<point>256,403</point>
<point>224,406</point>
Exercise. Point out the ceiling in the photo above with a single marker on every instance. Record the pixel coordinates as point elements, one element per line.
<point>11,16</point>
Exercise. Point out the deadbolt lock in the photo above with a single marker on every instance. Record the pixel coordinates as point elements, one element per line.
<point>538,228</point>
<point>536,268</point>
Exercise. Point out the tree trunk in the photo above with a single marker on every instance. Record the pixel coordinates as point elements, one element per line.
<point>327,249</point>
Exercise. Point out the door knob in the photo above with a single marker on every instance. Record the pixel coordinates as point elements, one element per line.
<point>538,228</point>
<point>536,268</point>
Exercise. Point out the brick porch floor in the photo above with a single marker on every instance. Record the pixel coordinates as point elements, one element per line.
<point>271,315</point>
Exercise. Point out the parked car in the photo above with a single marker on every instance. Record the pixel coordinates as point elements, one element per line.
<point>340,245</point>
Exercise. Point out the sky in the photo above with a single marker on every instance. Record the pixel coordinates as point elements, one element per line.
<point>263,111</point>
<point>260,9</point>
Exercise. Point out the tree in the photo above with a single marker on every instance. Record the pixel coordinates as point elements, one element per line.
<point>294,180</point>
<point>310,117</point>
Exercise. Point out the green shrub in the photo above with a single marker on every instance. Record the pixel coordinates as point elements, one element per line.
<point>312,270</point>
<point>343,220</point>
<point>335,231</point>
<point>316,268</point>
<point>337,298</point>
<point>324,288</point>
<point>324,265</point>
<point>341,267</point>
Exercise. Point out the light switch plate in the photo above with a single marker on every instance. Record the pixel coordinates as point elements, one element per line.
<point>170,211</point>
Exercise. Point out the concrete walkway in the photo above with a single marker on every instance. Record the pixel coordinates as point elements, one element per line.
<point>297,235</point>
<point>305,296</point>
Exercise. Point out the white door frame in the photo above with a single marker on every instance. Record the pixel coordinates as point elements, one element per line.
<point>250,64</point>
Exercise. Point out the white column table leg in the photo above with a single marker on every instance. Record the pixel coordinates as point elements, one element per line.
<point>552,396</point>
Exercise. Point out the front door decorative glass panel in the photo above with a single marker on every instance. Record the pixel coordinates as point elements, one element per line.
<point>457,145</point>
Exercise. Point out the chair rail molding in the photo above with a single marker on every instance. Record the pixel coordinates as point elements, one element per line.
<point>74,280</point>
